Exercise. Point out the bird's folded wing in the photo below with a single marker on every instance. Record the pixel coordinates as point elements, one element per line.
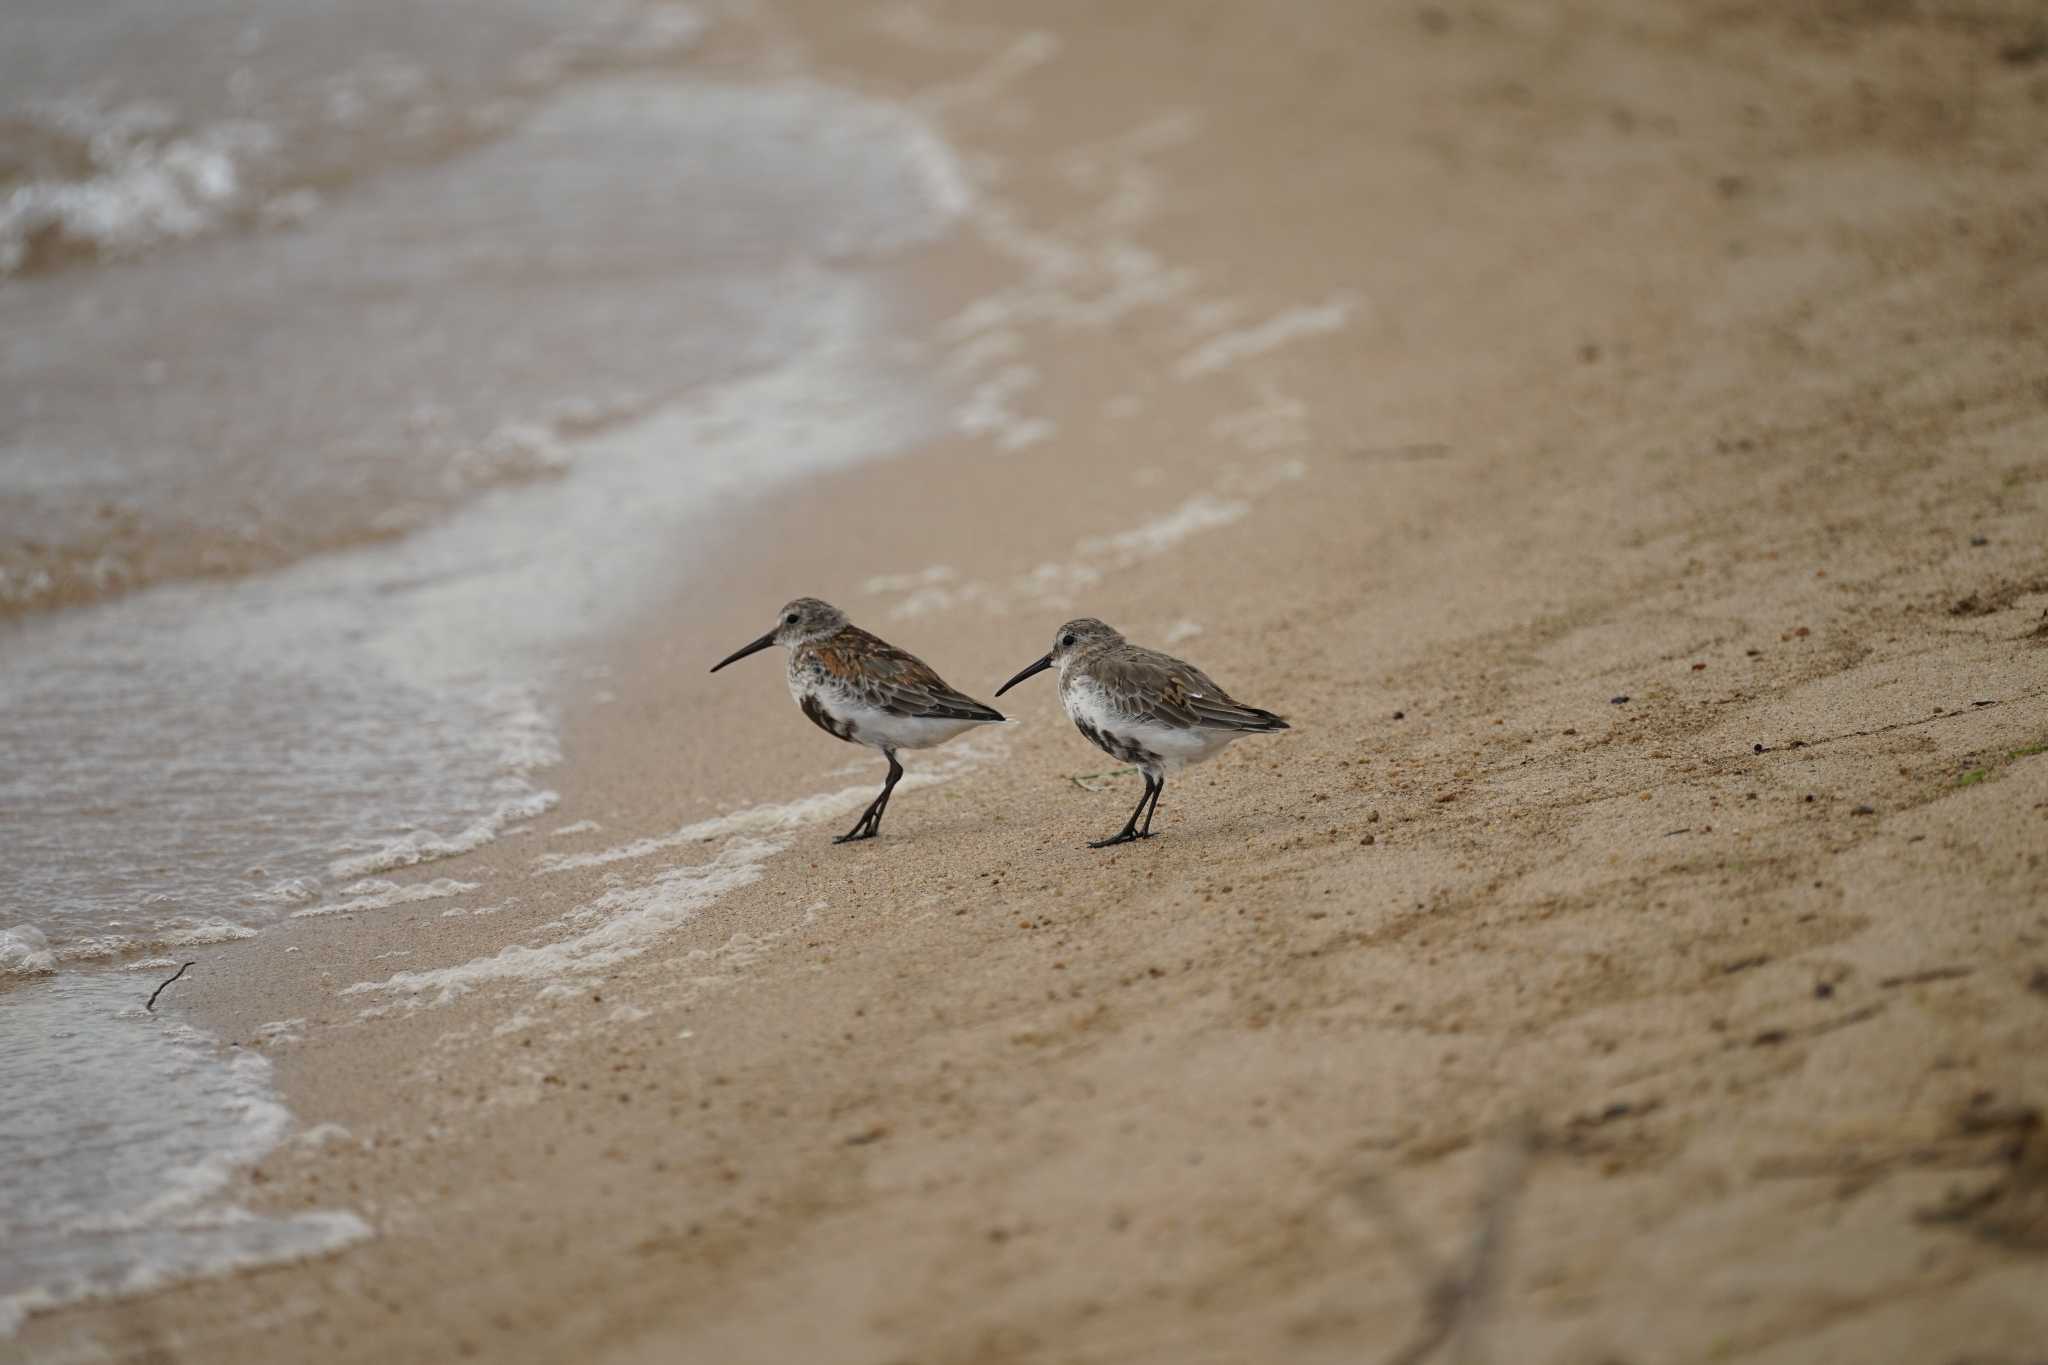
<point>904,684</point>
<point>1159,689</point>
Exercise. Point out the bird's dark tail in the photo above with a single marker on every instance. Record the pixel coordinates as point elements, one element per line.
<point>1235,715</point>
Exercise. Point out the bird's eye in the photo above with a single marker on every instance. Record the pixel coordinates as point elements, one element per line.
<point>1067,641</point>
<point>790,619</point>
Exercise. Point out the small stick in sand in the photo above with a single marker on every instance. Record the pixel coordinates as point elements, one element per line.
<point>151,1006</point>
<point>1082,780</point>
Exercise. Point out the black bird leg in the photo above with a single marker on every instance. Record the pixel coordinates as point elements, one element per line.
<point>1158,786</point>
<point>1153,786</point>
<point>863,828</point>
<point>870,822</point>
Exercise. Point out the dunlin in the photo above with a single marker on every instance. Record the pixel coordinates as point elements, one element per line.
<point>1144,707</point>
<point>862,689</point>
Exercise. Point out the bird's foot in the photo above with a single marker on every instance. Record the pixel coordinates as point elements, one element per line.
<point>1128,836</point>
<point>857,833</point>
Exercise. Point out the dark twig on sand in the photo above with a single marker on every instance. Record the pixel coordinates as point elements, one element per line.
<point>1458,1298</point>
<point>151,1006</point>
<point>1937,718</point>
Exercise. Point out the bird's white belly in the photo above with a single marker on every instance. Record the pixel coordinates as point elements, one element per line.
<point>870,725</point>
<point>1171,747</point>
<point>1182,747</point>
<point>885,730</point>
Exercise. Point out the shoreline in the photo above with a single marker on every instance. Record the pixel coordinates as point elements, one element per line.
<point>973,1092</point>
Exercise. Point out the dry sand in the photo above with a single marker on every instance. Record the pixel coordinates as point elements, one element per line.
<point>1687,354</point>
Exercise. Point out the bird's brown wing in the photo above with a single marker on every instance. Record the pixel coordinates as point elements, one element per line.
<point>895,680</point>
<point>1149,686</point>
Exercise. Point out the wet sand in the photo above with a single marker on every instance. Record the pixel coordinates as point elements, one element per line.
<point>1615,440</point>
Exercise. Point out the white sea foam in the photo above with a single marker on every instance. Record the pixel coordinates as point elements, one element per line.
<point>1009,63</point>
<point>906,582</point>
<point>580,827</point>
<point>781,817</point>
<point>1197,514</point>
<point>147,181</point>
<point>666,29</point>
<point>199,933</point>
<point>281,1031</point>
<point>196,1247</point>
<point>938,170</point>
<point>1054,585</point>
<point>513,451</point>
<point>173,1124</point>
<point>425,846</point>
<point>773,818</point>
<point>1058,585</point>
<point>944,596</point>
<point>95,948</point>
<point>628,919</point>
<point>987,348</point>
<point>1291,324</point>
<point>1118,167</point>
<point>290,891</point>
<point>25,951</point>
<point>1091,275</point>
<point>1279,421</point>
<point>458,912</point>
<point>988,410</point>
<point>620,924</point>
<point>378,894</point>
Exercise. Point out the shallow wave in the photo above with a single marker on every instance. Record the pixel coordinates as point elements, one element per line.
<point>135,180</point>
<point>27,951</point>
<point>536,368</point>
<point>86,175</point>
<point>438,334</point>
<point>421,847</point>
<point>134,1198</point>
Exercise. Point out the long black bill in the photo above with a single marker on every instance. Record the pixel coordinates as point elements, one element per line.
<point>744,650</point>
<point>1038,667</point>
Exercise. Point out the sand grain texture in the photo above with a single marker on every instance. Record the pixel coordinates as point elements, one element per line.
<point>1469,365</point>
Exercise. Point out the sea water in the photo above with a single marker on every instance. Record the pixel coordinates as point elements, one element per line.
<point>350,372</point>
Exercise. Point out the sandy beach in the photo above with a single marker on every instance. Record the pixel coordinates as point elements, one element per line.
<point>1615,436</point>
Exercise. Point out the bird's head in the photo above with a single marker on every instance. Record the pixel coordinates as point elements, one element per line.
<point>800,621</point>
<point>1074,640</point>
